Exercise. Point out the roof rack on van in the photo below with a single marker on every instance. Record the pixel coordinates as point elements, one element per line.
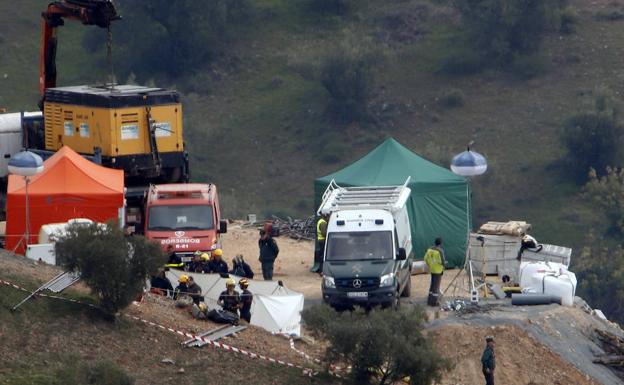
<point>369,197</point>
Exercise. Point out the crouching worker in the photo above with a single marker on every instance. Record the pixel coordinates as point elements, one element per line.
<point>241,268</point>
<point>194,290</point>
<point>230,299</point>
<point>181,292</point>
<point>160,284</point>
<point>200,311</point>
<point>246,300</point>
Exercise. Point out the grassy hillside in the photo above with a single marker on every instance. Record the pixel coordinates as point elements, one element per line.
<point>48,342</point>
<point>256,123</point>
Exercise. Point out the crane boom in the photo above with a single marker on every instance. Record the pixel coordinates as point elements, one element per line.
<point>90,12</point>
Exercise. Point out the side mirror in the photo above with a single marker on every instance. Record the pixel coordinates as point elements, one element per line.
<point>402,256</point>
<point>222,227</point>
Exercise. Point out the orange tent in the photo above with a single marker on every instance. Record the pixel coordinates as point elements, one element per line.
<point>70,186</point>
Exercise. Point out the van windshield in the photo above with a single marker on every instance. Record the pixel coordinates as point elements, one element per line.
<point>182,217</point>
<point>359,245</point>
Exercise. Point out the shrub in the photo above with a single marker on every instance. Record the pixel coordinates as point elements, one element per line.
<point>384,346</point>
<point>347,75</point>
<point>529,66</point>
<point>568,20</point>
<point>610,14</point>
<point>171,38</point>
<point>600,272</point>
<point>451,99</point>
<point>592,140</point>
<point>607,193</point>
<point>499,31</point>
<point>335,7</point>
<point>113,266</point>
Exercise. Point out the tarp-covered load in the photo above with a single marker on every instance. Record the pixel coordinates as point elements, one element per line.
<point>275,308</point>
<point>70,186</point>
<point>439,205</point>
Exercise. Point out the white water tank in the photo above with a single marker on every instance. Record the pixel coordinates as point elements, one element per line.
<point>49,232</point>
<point>11,137</point>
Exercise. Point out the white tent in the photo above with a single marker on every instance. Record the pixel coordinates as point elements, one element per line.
<point>275,308</point>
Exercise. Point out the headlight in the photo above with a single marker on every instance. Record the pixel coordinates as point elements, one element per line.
<point>329,282</point>
<point>387,280</point>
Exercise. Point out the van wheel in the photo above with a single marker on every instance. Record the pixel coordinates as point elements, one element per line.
<point>407,290</point>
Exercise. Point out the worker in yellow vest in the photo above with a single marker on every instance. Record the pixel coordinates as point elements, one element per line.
<point>321,233</point>
<point>435,260</point>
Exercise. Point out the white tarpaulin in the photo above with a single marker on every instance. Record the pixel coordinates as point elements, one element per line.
<point>278,313</point>
<point>275,308</point>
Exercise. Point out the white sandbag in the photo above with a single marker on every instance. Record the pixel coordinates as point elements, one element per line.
<point>548,278</point>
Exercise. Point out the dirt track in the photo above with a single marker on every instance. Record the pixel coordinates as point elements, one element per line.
<point>294,262</point>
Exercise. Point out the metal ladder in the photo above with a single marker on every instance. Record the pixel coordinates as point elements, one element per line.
<point>357,197</point>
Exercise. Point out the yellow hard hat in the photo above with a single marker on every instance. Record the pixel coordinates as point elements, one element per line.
<point>205,257</point>
<point>183,278</point>
<point>243,282</point>
<point>218,252</point>
<point>230,282</point>
<point>202,306</point>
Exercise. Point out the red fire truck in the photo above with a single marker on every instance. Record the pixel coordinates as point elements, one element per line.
<point>186,216</point>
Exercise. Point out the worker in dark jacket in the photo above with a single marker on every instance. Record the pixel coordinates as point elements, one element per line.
<point>268,254</point>
<point>229,299</point>
<point>488,361</point>
<point>246,300</point>
<point>217,265</point>
<point>194,291</point>
<point>241,268</point>
<point>160,284</point>
<point>174,260</point>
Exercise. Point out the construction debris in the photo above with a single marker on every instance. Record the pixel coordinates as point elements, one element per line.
<point>613,346</point>
<point>213,335</point>
<point>295,228</point>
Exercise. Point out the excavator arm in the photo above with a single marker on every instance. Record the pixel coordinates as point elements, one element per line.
<point>90,12</point>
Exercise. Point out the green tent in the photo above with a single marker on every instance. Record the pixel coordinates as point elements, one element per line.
<point>439,204</point>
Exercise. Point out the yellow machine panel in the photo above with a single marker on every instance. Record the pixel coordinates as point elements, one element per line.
<point>115,130</point>
<point>135,128</point>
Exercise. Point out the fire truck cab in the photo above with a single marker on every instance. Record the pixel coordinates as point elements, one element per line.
<point>186,216</point>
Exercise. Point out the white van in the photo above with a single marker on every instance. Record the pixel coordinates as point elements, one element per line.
<point>368,250</point>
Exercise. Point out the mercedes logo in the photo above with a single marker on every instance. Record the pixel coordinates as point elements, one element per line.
<point>357,283</point>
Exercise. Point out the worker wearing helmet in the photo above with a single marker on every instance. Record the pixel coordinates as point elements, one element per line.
<point>230,299</point>
<point>182,287</point>
<point>246,300</point>
<point>218,265</point>
<point>196,265</point>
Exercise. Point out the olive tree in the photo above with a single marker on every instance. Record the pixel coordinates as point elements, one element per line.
<point>382,346</point>
<point>114,266</point>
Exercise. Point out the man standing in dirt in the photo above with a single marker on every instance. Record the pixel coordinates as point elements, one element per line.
<point>434,258</point>
<point>488,361</point>
<point>268,254</point>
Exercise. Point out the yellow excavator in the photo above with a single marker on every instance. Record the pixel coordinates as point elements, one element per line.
<point>137,129</point>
